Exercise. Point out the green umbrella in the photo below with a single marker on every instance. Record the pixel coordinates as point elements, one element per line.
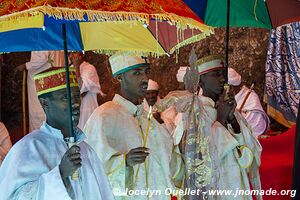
<point>250,13</point>
<point>231,13</point>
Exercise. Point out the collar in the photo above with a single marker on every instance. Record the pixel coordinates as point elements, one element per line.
<point>129,106</point>
<point>46,128</point>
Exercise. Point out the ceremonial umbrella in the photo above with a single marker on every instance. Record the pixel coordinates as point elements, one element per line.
<point>250,13</point>
<point>146,27</point>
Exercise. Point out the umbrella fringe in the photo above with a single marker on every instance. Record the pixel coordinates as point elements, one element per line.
<point>132,53</point>
<point>94,15</point>
<point>192,39</point>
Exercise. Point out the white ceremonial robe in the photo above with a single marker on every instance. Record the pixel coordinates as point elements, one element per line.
<point>213,166</point>
<point>113,130</point>
<point>5,143</point>
<point>30,169</point>
<point>253,111</point>
<point>226,172</point>
<point>90,85</point>
<point>39,61</point>
<point>170,117</point>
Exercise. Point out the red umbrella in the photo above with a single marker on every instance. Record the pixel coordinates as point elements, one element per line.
<point>140,27</point>
<point>283,12</point>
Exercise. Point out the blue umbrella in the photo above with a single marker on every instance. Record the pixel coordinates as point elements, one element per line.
<point>50,27</point>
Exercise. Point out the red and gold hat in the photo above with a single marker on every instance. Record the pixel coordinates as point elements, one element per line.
<point>54,79</point>
<point>210,63</point>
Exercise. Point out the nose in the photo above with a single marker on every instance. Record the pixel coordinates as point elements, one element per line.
<point>144,78</point>
<point>222,78</point>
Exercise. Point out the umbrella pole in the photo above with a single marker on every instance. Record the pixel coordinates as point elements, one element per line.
<point>227,40</point>
<point>68,81</point>
<point>71,139</point>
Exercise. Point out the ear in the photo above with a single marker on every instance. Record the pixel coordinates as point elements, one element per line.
<point>119,78</point>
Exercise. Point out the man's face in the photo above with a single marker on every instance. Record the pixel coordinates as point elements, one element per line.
<point>134,82</point>
<point>213,82</point>
<point>58,106</point>
<point>151,97</point>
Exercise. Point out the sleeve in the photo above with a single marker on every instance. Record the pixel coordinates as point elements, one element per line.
<point>253,144</point>
<point>90,79</point>
<point>168,116</point>
<point>101,176</point>
<point>48,184</point>
<point>29,177</point>
<point>239,137</point>
<point>177,167</point>
<point>223,139</point>
<point>248,138</point>
<point>39,61</point>
<point>257,121</point>
<point>99,130</point>
<point>5,143</point>
<point>179,130</point>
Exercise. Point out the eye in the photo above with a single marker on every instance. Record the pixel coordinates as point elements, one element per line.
<point>136,73</point>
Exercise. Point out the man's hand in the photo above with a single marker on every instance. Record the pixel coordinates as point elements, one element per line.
<point>136,156</point>
<point>233,105</point>
<point>225,108</point>
<point>70,162</point>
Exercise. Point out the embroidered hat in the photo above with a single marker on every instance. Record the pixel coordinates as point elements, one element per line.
<point>122,63</point>
<point>210,63</point>
<point>54,79</point>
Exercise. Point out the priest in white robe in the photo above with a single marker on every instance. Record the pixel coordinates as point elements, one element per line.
<point>89,86</point>
<point>136,150</point>
<point>248,103</point>
<point>151,101</point>
<point>39,166</point>
<point>220,151</point>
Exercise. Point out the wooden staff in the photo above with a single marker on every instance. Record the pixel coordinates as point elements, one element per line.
<point>246,97</point>
<point>24,103</point>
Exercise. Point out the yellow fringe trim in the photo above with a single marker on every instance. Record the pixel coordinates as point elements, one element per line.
<point>128,53</point>
<point>192,39</point>
<point>94,15</point>
<point>180,22</point>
